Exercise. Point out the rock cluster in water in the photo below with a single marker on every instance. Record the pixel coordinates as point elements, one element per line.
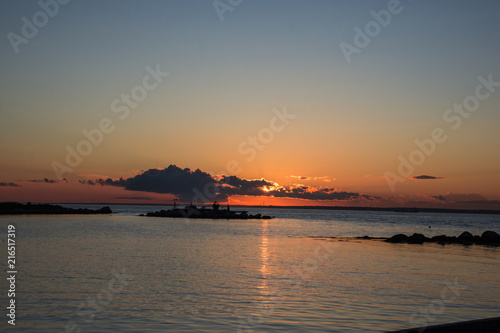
<point>193,212</point>
<point>466,238</point>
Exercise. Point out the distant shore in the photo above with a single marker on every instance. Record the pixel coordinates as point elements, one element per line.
<point>16,208</point>
<point>342,208</point>
<point>348,208</point>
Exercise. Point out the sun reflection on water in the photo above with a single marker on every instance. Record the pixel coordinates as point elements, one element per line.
<point>264,258</point>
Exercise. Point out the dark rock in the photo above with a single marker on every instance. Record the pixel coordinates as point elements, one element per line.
<point>465,235</point>
<point>417,239</point>
<point>490,237</point>
<point>105,210</point>
<point>465,238</point>
<point>441,238</point>
<point>477,239</point>
<point>399,238</point>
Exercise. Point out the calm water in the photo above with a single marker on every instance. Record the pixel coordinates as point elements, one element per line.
<point>136,274</point>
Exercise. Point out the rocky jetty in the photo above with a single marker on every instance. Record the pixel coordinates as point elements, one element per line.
<point>193,212</point>
<point>16,208</point>
<point>465,238</point>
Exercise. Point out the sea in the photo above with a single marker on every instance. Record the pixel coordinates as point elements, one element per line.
<point>303,271</point>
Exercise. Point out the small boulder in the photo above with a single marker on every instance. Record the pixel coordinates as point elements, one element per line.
<point>105,210</point>
<point>442,239</point>
<point>417,239</point>
<point>465,238</point>
<point>465,235</point>
<point>490,237</point>
<point>399,238</point>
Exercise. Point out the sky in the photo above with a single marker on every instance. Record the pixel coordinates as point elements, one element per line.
<point>342,103</point>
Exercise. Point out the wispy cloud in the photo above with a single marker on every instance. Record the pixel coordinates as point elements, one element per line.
<point>101,182</point>
<point>323,178</point>
<point>459,197</point>
<point>469,199</point>
<point>133,198</point>
<point>47,181</point>
<point>9,184</point>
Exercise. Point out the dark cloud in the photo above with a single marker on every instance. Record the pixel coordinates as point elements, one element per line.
<point>9,184</point>
<point>183,183</point>
<point>425,177</point>
<point>232,185</point>
<point>439,198</point>
<point>47,181</point>
<point>198,186</point>
<point>101,182</point>
<point>134,198</point>
<point>311,193</point>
